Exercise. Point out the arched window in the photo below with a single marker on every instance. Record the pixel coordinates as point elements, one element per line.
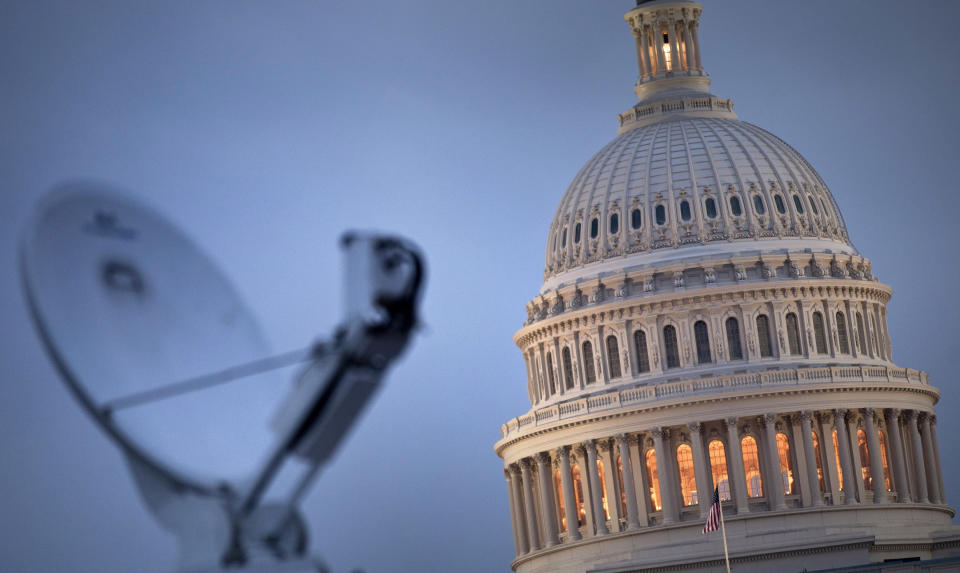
<point>836,457</point>
<point>735,206</point>
<point>763,336</point>
<point>786,472</point>
<point>711,208</point>
<point>685,210</point>
<point>561,509</point>
<point>819,333</point>
<point>688,480</point>
<point>613,357</point>
<point>718,467</point>
<point>614,224</point>
<point>653,479</point>
<point>826,210</point>
<point>563,241</point>
<point>578,495</point>
<point>883,457</point>
<point>670,346</point>
<point>865,469</point>
<point>751,466</point>
<point>636,218</point>
<point>550,375</point>
<point>594,228</point>
<point>778,201</point>
<point>798,203</point>
<point>842,333</point>
<point>661,214</point>
<point>818,458</point>
<point>576,234</point>
<point>758,205</point>
<point>623,494</point>
<point>703,342</point>
<point>588,370</point>
<point>603,490</point>
<point>861,336</point>
<point>813,205</point>
<point>793,334</point>
<point>567,367</point>
<point>734,349</point>
<point>640,345</point>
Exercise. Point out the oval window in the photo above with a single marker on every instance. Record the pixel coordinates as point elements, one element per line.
<point>594,228</point>
<point>563,240</point>
<point>685,210</point>
<point>661,215</point>
<point>813,205</point>
<point>778,201</point>
<point>735,206</point>
<point>798,204</point>
<point>758,205</point>
<point>576,233</point>
<point>614,224</point>
<point>636,218</point>
<point>711,207</point>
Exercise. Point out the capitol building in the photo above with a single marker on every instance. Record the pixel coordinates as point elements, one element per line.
<point>706,322</point>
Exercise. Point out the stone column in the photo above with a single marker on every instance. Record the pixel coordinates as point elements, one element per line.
<point>855,456</point>
<point>641,61</point>
<point>513,513</point>
<point>640,485</point>
<point>843,445</point>
<point>629,488</point>
<point>700,469</point>
<point>657,37</point>
<point>735,472</point>
<point>668,496</point>
<point>775,481</point>
<point>930,461</point>
<point>596,497</point>
<point>696,45</point>
<point>876,457</point>
<point>569,499</point>
<point>892,416</point>
<point>829,460</point>
<point>547,503</point>
<point>809,455</point>
<point>524,546</point>
<point>920,495</point>
<point>674,47</point>
<point>936,457</point>
<point>688,48</point>
<point>645,50</point>
<point>532,530</point>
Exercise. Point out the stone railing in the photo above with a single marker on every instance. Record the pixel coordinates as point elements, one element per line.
<point>771,379</point>
<point>702,104</point>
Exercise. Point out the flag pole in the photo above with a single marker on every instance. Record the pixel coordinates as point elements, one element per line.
<point>723,531</point>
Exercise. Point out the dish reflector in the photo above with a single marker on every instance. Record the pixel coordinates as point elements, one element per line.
<point>127,304</point>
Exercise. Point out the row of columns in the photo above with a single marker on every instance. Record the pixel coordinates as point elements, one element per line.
<point>682,39</point>
<point>914,472</point>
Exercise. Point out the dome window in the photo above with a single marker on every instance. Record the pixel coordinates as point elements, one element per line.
<point>826,210</point>
<point>781,207</point>
<point>661,215</point>
<point>636,219</point>
<point>563,239</point>
<point>685,210</point>
<point>735,206</point>
<point>594,228</point>
<point>758,205</point>
<point>813,205</point>
<point>576,234</point>
<point>798,203</point>
<point>711,207</point>
<point>614,224</point>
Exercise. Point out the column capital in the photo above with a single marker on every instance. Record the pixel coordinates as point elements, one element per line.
<point>603,445</point>
<point>658,432</point>
<point>869,412</point>
<point>893,412</point>
<point>589,447</point>
<point>563,452</point>
<point>515,469</point>
<point>911,416</point>
<point>933,419</point>
<point>806,415</point>
<point>526,464</point>
<point>731,421</point>
<point>695,427</point>
<point>924,417</point>
<point>506,474</point>
<point>838,415</point>
<point>543,458</point>
<point>621,438</point>
<point>769,418</point>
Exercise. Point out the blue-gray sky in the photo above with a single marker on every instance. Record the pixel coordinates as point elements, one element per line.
<point>266,129</point>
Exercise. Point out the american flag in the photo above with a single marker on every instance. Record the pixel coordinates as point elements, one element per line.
<point>713,519</point>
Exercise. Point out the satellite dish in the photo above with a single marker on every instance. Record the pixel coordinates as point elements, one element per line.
<point>160,349</point>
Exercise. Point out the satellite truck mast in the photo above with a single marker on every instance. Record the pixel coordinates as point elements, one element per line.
<point>157,346</point>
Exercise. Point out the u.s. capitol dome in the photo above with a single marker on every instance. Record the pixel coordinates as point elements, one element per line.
<point>705,323</point>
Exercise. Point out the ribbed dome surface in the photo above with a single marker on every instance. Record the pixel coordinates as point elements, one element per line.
<point>686,182</point>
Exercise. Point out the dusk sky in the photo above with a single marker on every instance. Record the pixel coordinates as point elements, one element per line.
<point>267,129</point>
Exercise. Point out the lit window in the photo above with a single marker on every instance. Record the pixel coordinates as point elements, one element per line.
<point>735,207</point>
<point>670,345</point>
<point>561,509</point>
<point>819,333</point>
<point>798,203</point>
<point>603,490</point>
<point>718,467</point>
<point>703,342</point>
<point>836,456</point>
<point>623,494</point>
<point>793,334</point>
<point>636,218</point>
<point>588,370</point>
<point>711,208</point>
<point>758,205</point>
<point>613,357</point>
<point>751,466</point>
<point>567,368</point>
<point>763,334</point>
<point>786,473</point>
<point>883,456</point>
<point>614,224</point>
<point>653,479</point>
<point>685,210</point>
<point>865,470</point>
<point>667,57</point>
<point>661,213</point>
<point>688,480</point>
<point>842,333</point>
<point>578,495</point>
<point>817,457</point>
<point>778,201</point>
<point>640,342</point>
<point>594,228</point>
<point>733,339</point>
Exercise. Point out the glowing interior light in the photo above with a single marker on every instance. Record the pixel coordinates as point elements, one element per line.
<point>666,52</point>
